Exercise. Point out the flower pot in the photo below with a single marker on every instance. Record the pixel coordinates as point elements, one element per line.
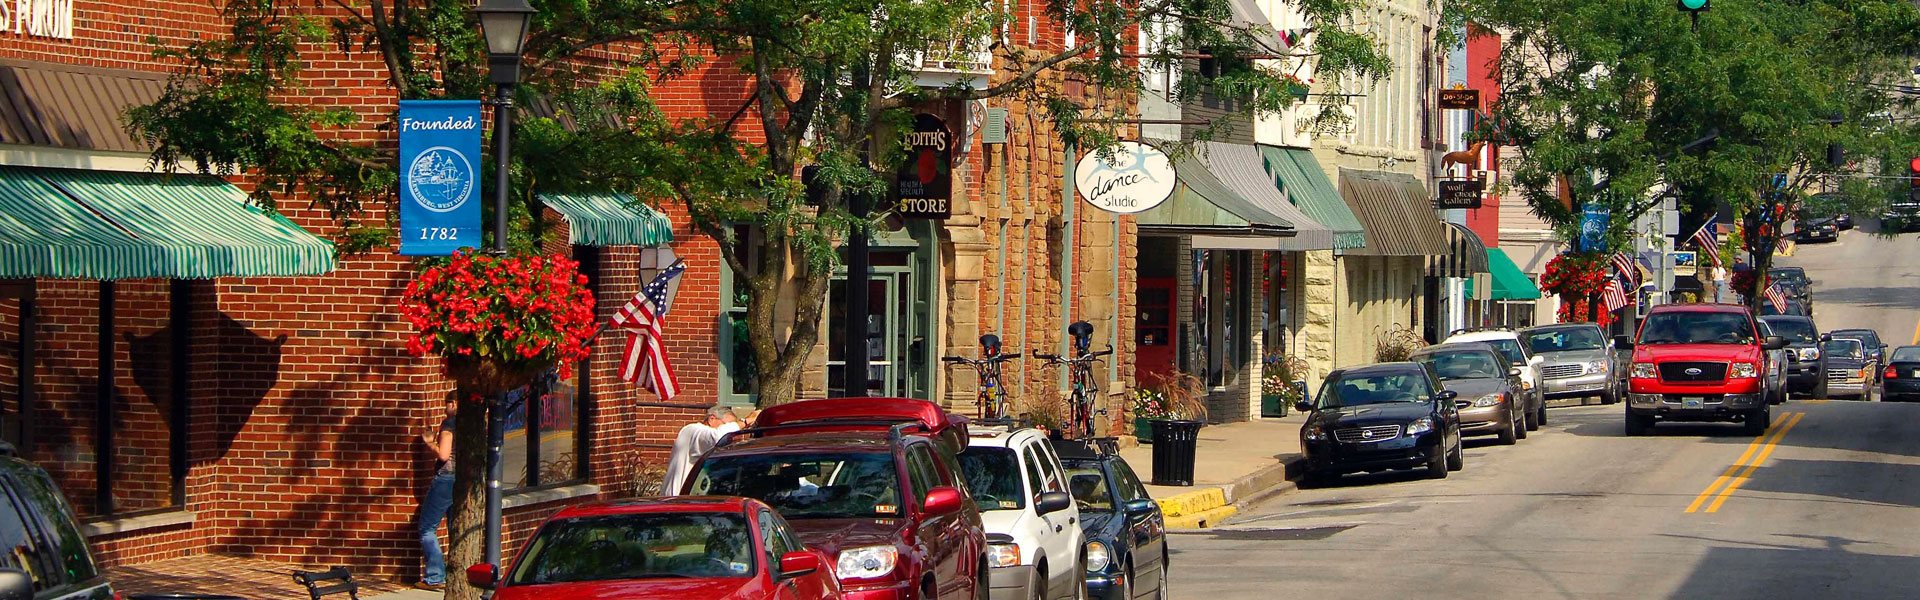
<point>487,377</point>
<point>1273,406</point>
<point>1143,429</point>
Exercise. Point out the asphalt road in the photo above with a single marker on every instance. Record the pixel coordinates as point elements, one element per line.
<point>1825,505</point>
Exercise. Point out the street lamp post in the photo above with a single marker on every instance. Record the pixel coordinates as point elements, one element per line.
<point>504,25</point>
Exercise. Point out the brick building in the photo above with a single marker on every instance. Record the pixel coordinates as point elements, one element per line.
<point>244,392</point>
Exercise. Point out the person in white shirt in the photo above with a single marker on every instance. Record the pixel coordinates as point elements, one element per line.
<point>694,440</point>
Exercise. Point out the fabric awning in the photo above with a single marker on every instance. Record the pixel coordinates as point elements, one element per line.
<point>610,220</point>
<point>1508,282</point>
<point>72,224</point>
<point>1394,209</point>
<point>1238,167</point>
<point>1202,204</point>
<point>1299,176</point>
<point>1466,254</point>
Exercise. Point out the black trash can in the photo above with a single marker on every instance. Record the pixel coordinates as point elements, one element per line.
<point>1174,443</point>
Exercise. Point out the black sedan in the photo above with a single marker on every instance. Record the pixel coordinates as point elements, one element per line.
<point>1819,230</point>
<point>1381,417</point>
<point>1902,375</point>
<point>1126,534</point>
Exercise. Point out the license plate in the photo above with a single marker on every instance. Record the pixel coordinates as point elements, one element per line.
<point>1692,402</point>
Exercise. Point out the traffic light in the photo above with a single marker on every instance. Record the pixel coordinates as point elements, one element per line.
<point>1694,6</point>
<point>1913,173</point>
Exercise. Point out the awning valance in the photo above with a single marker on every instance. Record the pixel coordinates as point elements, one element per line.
<point>1394,209</point>
<point>72,224</point>
<point>1202,204</point>
<point>1238,166</point>
<point>1305,184</point>
<point>1466,254</point>
<point>610,220</point>
<point>1508,282</point>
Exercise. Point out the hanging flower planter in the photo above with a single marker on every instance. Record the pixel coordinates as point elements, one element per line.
<point>498,321</point>
<point>1576,278</point>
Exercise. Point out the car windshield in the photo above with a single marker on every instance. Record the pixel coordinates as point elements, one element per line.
<point>993,476</point>
<point>1866,338</point>
<point>1794,275</point>
<point>807,486</point>
<point>1382,388</point>
<point>1797,331</point>
<point>1842,348</point>
<point>639,546</point>
<point>1463,364</point>
<point>1566,340</point>
<point>1089,486</point>
<point>1509,349</point>
<point>1907,353</point>
<point>1689,327</point>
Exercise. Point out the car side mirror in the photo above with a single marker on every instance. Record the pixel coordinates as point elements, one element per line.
<point>1623,342</point>
<point>1446,395</point>
<point>798,564</point>
<point>483,576</point>
<point>1514,372</point>
<point>1775,342</point>
<point>942,501</point>
<point>1052,502</point>
<point>1826,337</point>
<point>1140,505</point>
<point>1303,406</point>
<point>15,585</point>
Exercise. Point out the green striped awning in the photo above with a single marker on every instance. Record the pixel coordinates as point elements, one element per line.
<point>610,220</point>
<point>73,224</point>
<point>1300,177</point>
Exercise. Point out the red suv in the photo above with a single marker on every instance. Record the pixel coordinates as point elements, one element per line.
<point>873,483</point>
<point>1699,362</point>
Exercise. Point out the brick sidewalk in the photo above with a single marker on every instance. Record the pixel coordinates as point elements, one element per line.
<point>213,574</point>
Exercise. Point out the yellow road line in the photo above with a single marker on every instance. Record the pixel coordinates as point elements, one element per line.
<point>1916,332</point>
<point>1758,441</point>
<point>1816,402</point>
<point>1757,461</point>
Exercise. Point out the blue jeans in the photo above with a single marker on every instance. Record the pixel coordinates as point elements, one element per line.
<point>433,510</point>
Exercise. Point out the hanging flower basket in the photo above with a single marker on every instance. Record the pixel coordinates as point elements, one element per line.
<point>1576,278</point>
<point>498,321</point>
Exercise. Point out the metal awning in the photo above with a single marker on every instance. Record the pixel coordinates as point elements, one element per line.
<point>75,107</point>
<point>1238,166</point>
<point>1299,176</point>
<point>1202,205</point>
<point>1466,254</point>
<point>72,224</point>
<point>610,220</point>
<point>1394,209</point>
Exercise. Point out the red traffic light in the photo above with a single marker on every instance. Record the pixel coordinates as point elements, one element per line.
<point>1914,166</point>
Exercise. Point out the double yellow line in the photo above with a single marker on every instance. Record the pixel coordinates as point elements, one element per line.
<point>1736,475</point>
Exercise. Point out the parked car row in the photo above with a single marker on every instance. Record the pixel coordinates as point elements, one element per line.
<point>863,498</point>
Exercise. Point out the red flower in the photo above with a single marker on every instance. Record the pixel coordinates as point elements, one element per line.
<point>515,306</point>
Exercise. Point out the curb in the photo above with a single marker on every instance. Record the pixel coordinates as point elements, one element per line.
<point>1209,506</point>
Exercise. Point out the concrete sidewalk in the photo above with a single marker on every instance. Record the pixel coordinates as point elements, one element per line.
<point>1234,464</point>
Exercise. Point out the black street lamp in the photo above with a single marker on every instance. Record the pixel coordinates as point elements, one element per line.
<point>504,23</point>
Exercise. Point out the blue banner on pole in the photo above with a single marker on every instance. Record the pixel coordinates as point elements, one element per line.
<point>1593,228</point>
<point>439,176</point>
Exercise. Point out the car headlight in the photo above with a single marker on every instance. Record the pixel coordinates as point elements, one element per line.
<point>1423,425</point>
<point>868,562</point>
<point>1313,433</point>
<point>1598,366</point>
<point>1003,555</point>
<point>1809,353</point>
<point>1643,371</point>
<point>1741,369</point>
<point>1488,400</point>
<point>1098,557</point>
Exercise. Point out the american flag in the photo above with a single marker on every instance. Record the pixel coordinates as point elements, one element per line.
<point>1628,269</point>
<point>643,318</point>
<point>1776,297</point>
<point>1708,243</point>
<point>1613,295</point>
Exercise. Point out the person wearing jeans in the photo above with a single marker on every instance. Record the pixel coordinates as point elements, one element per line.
<point>439,498</point>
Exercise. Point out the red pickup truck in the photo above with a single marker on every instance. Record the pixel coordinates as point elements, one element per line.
<point>1699,362</point>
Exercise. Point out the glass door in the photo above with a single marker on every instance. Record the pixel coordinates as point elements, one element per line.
<point>883,310</point>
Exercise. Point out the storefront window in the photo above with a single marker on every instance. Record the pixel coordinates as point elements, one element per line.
<point>543,435</point>
<point>11,419</point>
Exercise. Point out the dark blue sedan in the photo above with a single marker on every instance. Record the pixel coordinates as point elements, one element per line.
<point>1126,535</point>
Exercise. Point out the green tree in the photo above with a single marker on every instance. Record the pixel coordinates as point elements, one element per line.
<point>1606,97</point>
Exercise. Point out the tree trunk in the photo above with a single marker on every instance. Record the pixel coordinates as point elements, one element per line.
<point>467,520</point>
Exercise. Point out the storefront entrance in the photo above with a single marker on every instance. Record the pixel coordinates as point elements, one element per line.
<point>900,323</point>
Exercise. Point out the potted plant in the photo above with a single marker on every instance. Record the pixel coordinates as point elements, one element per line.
<point>1283,384</point>
<point>1146,404</point>
<point>500,320</point>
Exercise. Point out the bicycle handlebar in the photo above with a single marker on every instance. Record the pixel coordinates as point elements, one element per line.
<point>954,359</point>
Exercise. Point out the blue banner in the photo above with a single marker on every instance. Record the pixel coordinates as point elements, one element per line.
<point>439,176</point>
<point>1593,228</point>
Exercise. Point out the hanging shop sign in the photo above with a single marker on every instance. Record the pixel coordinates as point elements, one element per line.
<point>439,190</point>
<point>1685,263</point>
<point>1460,99</point>
<point>1138,177</point>
<point>1459,193</point>
<point>37,18</point>
<point>924,184</point>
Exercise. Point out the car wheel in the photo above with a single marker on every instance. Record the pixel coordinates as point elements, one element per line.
<point>1821,391</point>
<point>1457,459</point>
<point>1080,582</point>
<point>1164,590</point>
<point>1037,584</point>
<point>1510,434</point>
<point>1610,396</point>
<point>1639,425</point>
<point>1758,421</point>
<point>1519,419</point>
<point>1532,422</point>
<point>982,585</point>
<point>1437,465</point>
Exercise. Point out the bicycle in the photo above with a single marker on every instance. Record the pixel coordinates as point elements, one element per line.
<point>1085,389</point>
<point>991,397</point>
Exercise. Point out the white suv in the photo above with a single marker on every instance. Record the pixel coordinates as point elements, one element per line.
<point>1034,542</point>
<point>1507,343</point>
